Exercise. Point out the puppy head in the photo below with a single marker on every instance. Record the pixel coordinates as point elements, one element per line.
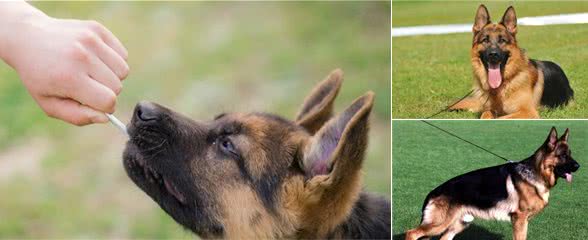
<point>252,174</point>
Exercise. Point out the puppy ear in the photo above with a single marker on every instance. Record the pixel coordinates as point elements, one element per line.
<point>318,105</point>
<point>564,137</point>
<point>337,149</point>
<point>509,20</point>
<point>551,139</point>
<point>332,161</point>
<point>482,18</point>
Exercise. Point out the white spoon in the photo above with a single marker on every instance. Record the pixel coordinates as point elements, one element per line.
<point>118,124</point>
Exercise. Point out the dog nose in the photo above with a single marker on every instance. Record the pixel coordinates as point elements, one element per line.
<point>576,166</point>
<point>493,54</point>
<point>146,111</point>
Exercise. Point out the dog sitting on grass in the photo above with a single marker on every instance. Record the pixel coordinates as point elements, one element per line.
<point>508,84</point>
<point>258,175</point>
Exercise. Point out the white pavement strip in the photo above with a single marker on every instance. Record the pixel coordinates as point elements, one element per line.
<point>576,18</point>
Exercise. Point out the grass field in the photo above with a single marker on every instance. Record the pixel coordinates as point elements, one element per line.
<point>425,157</point>
<point>199,58</point>
<point>431,72</point>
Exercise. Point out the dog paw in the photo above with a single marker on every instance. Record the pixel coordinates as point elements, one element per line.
<point>487,115</point>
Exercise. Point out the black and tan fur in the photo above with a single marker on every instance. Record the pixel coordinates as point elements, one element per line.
<point>258,175</point>
<point>526,84</point>
<point>512,192</point>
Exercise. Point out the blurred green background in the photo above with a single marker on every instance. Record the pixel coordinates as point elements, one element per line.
<point>61,181</point>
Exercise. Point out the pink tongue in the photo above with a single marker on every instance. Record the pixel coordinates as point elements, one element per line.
<point>569,177</point>
<point>494,77</point>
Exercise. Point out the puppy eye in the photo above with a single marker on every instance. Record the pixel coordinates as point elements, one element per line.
<point>227,146</point>
<point>501,40</point>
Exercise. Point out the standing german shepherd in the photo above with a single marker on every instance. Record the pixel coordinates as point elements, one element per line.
<point>507,83</point>
<point>257,175</point>
<point>512,192</point>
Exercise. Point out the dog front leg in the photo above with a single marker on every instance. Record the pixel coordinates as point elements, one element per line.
<point>520,221</point>
<point>524,114</point>
<point>487,115</point>
<point>472,104</point>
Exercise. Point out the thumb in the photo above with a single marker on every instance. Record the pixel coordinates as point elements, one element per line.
<point>72,111</point>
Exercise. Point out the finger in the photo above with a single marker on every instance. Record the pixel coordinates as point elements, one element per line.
<point>109,38</point>
<point>71,111</point>
<point>115,62</point>
<point>100,72</point>
<point>91,93</point>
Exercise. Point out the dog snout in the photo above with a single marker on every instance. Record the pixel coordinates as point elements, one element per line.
<point>147,111</point>
<point>576,166</point>
<point>494,55</point>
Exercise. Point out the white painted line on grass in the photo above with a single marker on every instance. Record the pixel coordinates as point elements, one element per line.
<point>577,18</point>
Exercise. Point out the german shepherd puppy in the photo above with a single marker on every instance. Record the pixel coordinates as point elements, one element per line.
<point>258,175</point>
<point>507,83</point>
<point>512,192</point>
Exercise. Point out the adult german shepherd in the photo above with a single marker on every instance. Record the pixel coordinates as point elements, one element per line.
<point>512,192</point>
<point>260,176</point>
<point>507,83</point>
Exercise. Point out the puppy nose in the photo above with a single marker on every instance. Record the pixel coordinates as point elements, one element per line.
<point>146,111</point>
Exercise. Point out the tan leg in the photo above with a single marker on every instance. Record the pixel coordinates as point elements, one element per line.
<point>426,230</point>
<point>520,221</point>
<point>524,114</point>
<point>455,228</point>
<point>470,104</point>
<point>487,115</point>
<point>413,234</point>
<point>441,220</point>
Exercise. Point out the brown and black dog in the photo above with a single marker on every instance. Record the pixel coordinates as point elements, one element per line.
<point>512,192</point>
<point>507,83</point>
<point>258,175</point>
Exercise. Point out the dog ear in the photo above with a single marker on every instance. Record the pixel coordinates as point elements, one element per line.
<point>551,139</point>
<point>509,20</point>
<point>332,161</point>
<point>482,18</point>
<point>318,105</point>
<point>341,142</point>
<point>564,137</point>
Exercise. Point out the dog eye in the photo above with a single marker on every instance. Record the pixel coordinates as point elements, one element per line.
<point>501,40</point>
<point>486,40</point>
<point>227,146</point>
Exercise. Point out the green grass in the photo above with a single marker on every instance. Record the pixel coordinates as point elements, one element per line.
<point>432,72</point>
<point>410,13</point>
<point>199,58</point>
<point>425,157</point>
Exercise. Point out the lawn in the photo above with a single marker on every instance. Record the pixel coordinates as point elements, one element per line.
<point>425,157</point>
<point>199,58</point>
<point>431,72</point>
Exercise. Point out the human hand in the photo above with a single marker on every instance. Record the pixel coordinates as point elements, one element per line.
<point>73,69</point>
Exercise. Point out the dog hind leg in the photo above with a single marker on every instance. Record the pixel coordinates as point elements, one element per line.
<point>441,217</point>
<point>458,226</point>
